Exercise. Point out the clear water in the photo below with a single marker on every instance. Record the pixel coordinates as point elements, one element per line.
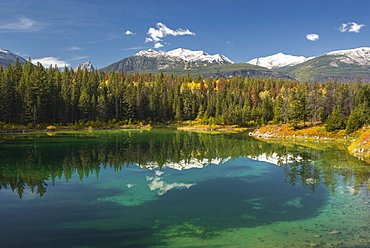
<point>179,189</point>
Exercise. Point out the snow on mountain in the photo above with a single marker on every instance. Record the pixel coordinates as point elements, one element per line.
<point>278,60</point>
<point>187,55</point>
<point>86,65</point>
<point>359,56</point>
<point>9,57</point>
<point>150,53</point>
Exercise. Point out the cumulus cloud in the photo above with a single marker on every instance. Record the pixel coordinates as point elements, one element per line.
<point>158,45</point>
<point>23,24</point>
<point>351,27</point>
<point>47,61</point>
<point>128,32</point>
<point>157,34</point>
<point>312,37</point>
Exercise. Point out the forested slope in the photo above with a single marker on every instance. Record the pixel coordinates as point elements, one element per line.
<point>33,95</point>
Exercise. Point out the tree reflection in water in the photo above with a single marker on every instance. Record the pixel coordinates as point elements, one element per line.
<point>32,160</point>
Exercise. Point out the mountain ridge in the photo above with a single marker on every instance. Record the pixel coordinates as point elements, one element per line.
<point>186,55</point>
<point>178,59</point>
<point>7,57</point>
<point>184,61</point>
<point>278,60</point>
<point>342,65</point>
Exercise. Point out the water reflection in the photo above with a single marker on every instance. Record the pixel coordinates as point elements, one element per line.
<point>33,160</point>
<point>158,184</point>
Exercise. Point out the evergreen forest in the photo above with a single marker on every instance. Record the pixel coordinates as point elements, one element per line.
<point>31,95</point>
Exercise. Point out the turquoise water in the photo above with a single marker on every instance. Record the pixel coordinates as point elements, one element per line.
<point>167,188</point>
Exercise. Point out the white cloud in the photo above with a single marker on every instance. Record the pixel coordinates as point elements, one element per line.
<point>128,32</point>
<point>148,40</point>
<point>134,48</point>
<point>24,24</point>
<point>162,31</point>
<point>73,48</point>
<point>229,44</point>
<point>312,37</point>
<point>47,61</point>
<point>351,27</point>
<point>158,45</point>
<point>79,58</point>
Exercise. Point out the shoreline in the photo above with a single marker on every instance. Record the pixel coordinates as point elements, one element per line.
<point>357,143</point>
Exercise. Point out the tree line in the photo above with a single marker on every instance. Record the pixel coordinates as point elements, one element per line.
<point>31,94</point>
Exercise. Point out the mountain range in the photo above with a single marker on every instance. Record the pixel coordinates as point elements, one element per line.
<point>342,65</point>
<point>178,59</point>
<point>183,61</point>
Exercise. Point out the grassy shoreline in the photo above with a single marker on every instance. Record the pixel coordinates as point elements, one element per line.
<point>357,143</point>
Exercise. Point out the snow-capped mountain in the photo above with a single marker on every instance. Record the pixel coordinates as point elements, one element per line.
<point>359,56</point>
<point>278,60</point>
<point>7,57</point>
<point>186,55</point>
<point>86,65</point>
<point>342,66</point>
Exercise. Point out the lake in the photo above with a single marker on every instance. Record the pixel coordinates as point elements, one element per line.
<point>165,188</point>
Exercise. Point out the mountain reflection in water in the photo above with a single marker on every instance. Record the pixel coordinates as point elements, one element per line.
<point>33,160</point>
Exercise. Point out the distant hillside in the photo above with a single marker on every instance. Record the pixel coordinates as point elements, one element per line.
<point>7,57</point>
<point>327,67</point>
<point>343,66</point>
<point>152,60</point>
<point>182,61</point>
<point>229,70</point>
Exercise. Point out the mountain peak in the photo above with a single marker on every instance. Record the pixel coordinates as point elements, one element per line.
<point>186,55</point>
<point>360,55</point>
<point>149,53</point>
<point>7,57</point>
<point>85,65</point>
<point>278,60</point>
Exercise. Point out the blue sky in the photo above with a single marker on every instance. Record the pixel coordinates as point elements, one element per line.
<point>103,32</point>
